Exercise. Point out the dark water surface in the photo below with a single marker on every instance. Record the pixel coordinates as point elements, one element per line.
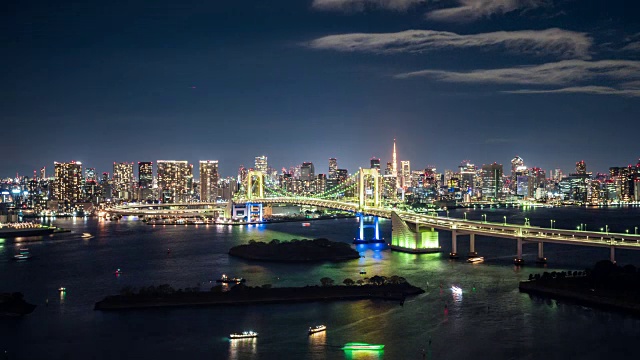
<point>490,320</point>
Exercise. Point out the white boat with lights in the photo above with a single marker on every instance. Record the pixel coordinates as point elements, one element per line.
<point>24,254</point>
<point>456,290</point>
<point>317,329</point>
<point>228,280</point>
<point>244,335</point>
<point>86,235</point>
<point>477,259</point>
<point>306,224</point>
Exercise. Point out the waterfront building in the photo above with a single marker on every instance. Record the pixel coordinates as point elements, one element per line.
<point>123,180</point>
<point>67,189</point>
<point>333,169</point>
<point>145,181</point>
<point>467,177</point>
<point>492,181</point>
<point>208,180</point>
<point>174,180</point>
<point>261,164</point>
<point>623,178</point>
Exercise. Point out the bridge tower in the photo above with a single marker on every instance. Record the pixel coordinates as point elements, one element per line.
<point>259,181</point>
<point>362,194</point>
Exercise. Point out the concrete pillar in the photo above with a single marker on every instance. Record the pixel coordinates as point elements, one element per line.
<point>454,245</point>
<point>518,260</point>
<point>612,255</point>
<point>472,245</point>
<point>361,216</point>
<point>541,259</point>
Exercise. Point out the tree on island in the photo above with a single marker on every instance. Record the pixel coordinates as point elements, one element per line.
<point>360,282</point>
<point>348,282</point>
<point>326,281</point>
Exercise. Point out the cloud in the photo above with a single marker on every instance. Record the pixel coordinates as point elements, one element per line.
<point>360,5</point>
<point>565,72</point>
<point>633,46</point>
<point>557,42</point>
<point>469,10</point>
<point>591,89</point>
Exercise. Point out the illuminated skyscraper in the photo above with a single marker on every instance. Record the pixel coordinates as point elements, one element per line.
<point>307,172</point>
<point>208,180</point>
<point>394,162</point>
<point>145,180</point>
<point>173,180</point>
<point>581,167</point>
<point>90,174</point>
<point>261,164</point>
<point>123,180</point>
<point>517,164</point>
<point>406,174</point>
<point>492,181</point>
<point>68,182</point>
<point>375,164</point>
<point>467,177</point>
<point>333,169</point>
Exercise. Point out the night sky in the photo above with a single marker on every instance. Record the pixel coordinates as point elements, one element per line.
<point>553,81</point>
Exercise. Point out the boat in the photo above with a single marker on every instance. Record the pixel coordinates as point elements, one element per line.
<point>228,280</point>
<point>244,335</point>
<point>361,346</point>
<point>24,254</point>
<point>316,329</point>
<point>62,289</point>
<point>306,224</point>
<point>118,272</point>
<point>477,259</point>
<point>362,272</point>
<point>456,290</point>
<point>86,235</point>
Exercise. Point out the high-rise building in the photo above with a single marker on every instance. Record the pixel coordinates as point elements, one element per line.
<point>492,181</point>
<point>307,172</point>
<point>389,169</point>
<point>173,180</point>
<point>145,180</point>
<point>342,175</point>
<point>517,166</point>
<point>467,177</point>
<point>406,174</point>
<point>333,169</point>
<point>261,164</point>
<point>123,180</point>
<point>581,167</point>
<point>90,174</point>
<point>242,174</point>
<point>43,173</point>
<point>208,180</point>
<point>67,187</point>
<point>375,164</point>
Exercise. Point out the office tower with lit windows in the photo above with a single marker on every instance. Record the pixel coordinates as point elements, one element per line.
<point>517,167</point>
<point>67,188</point>
<point>307,172</point>
<point>581,167</point>
<point>174,180</point>
<point>333,169</point>
<point>342,175</point>
<point>492,181</point>
<point>375,164</point>
<point>467,177</point>
<point>208,180</point>
<point>145,180</point>
<point>261,164</point>
<point>405,175</point>
<point>123,180</point>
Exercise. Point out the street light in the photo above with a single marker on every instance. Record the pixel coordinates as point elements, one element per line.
<point>485,218</point>
<point>607,227</point>
<point>635,231</point>
<point>465,215</point>
<point>526,221</point>
<point>552,221</point>
<point>505,219</point>
<point>447,214</point>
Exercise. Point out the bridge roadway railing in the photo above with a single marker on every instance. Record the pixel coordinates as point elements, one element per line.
<point>510,231</point>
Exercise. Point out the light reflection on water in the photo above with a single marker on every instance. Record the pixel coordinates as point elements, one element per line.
<point>241,348</point>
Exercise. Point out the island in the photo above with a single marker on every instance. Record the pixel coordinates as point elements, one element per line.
<point>295,251</point>
<point>377,287</point>
<point>13,304</point>
<point>607,286</point>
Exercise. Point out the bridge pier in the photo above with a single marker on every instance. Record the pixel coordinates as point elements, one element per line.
<point>541,259</point>
<point>612,254</point>
<point>454,245</point>
<point>518,260</point>
<point>472,245</point>
<point>376,226</point>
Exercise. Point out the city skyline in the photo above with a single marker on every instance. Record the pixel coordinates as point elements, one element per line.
<point>308,80</point>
